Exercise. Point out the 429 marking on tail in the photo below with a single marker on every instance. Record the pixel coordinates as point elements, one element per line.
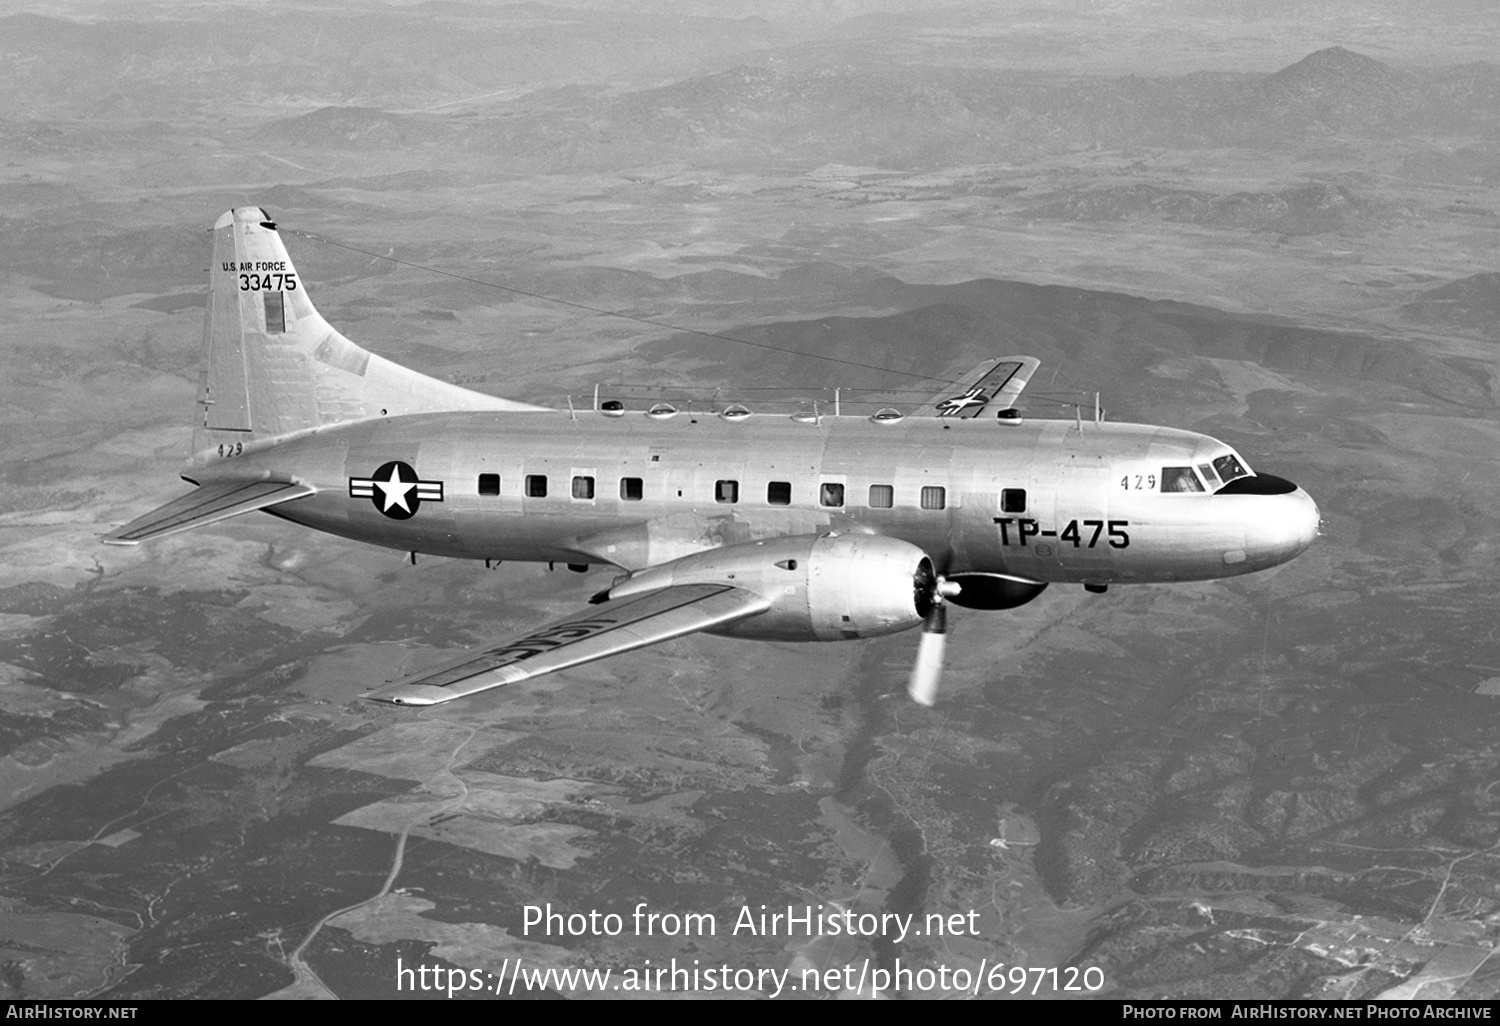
<point>1087,537</point>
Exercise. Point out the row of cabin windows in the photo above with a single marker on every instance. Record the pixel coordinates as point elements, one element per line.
<point>778,493</point>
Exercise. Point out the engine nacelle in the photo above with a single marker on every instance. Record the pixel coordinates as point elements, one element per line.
<point>828,588</point>
<point>993,591</point>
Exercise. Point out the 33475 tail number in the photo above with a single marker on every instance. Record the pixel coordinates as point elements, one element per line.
<point>268,282</point>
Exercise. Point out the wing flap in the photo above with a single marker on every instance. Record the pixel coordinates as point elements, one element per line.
<point>578,638</point>
<point>994,384</point>
<point>209,504</point>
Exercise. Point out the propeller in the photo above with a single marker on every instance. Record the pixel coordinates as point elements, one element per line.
<point>929,666</point>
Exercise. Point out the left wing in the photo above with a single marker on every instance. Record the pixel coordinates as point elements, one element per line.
<point>994,383</point>
<point>603,630</point>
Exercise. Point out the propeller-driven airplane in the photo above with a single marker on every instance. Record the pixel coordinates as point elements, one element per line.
<point>803,528</point>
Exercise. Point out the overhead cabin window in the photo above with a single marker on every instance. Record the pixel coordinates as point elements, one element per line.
<point>583,487</point>
<point>882,496</point>
<point>536,486</point>
<point>1230,468</point>
<point>831,494</point>
<point>275,314</point>
<point>934,497</point>
<point>1012,500</point>
<point>1179,479</point>
<point>779,493</point>
<point>489,484</point>
<point>631,489</point>
<point>726,491</point>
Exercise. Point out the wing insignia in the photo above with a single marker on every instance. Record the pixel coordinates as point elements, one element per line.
<point>578,638</point>
<point>994,383</point>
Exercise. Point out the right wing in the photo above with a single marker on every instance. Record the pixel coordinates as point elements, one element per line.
<point>994,383</point>
<point>209,504</point>
<point>602,630</point>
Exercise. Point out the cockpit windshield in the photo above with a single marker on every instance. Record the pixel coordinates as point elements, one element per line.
<point>1180,479</point>
<point>1230,468</point>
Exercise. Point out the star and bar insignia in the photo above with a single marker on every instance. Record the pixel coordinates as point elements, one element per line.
<point>396,490</point>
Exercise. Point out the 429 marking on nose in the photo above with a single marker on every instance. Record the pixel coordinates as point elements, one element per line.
<point>1084,534</point>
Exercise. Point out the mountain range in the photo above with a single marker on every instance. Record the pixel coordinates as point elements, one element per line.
<point>815,104</point>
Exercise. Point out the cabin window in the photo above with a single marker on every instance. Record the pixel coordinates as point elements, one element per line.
<point>583,487</point>
<point>275,313</point>
<point>831,494</point>
<point>882,496</point>
<point>489,484</point>
<point>1179,479</point>
<point>726,491</point>
<point>779,493</point>
<point>1207,470</point>
<point>536,486</point>
<point>1230,468</point>
<point>630,489</point>
<point>934,497</point>
<point>1012,500</point>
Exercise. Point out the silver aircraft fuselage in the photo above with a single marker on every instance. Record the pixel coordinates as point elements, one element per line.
<point>762,526</point>
<point>1046,500</point>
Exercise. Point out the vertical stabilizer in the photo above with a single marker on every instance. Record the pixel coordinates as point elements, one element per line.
<point>274,366</point>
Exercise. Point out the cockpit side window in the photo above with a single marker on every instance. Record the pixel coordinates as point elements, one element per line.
<point>1230,468</point>
<point>1180,479</point>
<point>1209,477</point>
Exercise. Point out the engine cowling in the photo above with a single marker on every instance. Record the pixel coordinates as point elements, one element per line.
<point>993,591</point>
<point>826,588</point>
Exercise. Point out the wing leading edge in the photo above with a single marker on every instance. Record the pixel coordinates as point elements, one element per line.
<point>209,504</point>
<point>601,631</point>
<point>994,383</point>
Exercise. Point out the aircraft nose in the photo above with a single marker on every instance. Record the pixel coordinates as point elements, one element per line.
<point>1285,523</point>
<point>1302,521</point>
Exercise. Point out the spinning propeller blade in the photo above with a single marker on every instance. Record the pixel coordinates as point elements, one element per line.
<point>929,666</point>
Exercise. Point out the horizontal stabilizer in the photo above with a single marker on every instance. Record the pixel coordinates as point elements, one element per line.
<point>208,505</point>
<point>602,630</point>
